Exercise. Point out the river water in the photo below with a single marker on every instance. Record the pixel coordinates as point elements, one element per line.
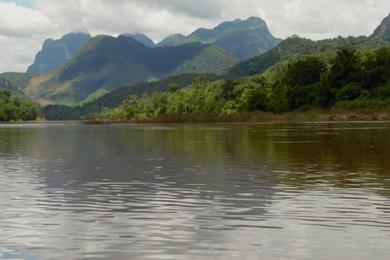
<point>241,191</point>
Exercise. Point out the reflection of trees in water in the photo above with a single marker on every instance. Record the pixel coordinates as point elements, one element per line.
<point>188,181</point>
<point>113,176</point>
<point>344,155</point>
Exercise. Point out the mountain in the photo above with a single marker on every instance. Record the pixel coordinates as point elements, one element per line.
<point>4,84</point>
<point>173,40</point>
<point>296,46</point>
<point>243,39</point>
<point>116,97</point>
<point>106,63</point>
<point>14,82</point>
<point>56,53</point>
<point>383,30</point>
<point>142,38</point>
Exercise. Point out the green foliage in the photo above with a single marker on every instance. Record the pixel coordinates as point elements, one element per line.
<point>211,59</point>
<point>345,67</point>
<point>348,78</point>
<point>16,81</point>
<point>303,83</point>
<point>117,97</point>
<point>350,92</point>
<point>295,47</point>
<point>305,71</point>
<point>15,108</point>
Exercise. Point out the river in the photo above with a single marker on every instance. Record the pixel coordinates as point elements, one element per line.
<point>234,191</point>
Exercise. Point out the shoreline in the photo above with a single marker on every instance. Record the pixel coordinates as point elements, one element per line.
<point>256,117</point>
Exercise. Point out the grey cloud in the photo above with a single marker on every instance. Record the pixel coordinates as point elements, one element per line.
<point>309,18</point>
<point>17,21</point>
<point>200,8</point>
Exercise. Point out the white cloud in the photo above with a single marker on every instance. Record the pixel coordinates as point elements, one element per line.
<point>309,18</point>
<point>22,31</point>
<point>21,21</point>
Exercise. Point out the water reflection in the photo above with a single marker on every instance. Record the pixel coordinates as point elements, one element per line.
<point>194,192</point>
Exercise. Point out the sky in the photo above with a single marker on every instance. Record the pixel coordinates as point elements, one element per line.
<point>25,24</point>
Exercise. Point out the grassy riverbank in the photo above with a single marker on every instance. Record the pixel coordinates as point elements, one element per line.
<point>331,115</point>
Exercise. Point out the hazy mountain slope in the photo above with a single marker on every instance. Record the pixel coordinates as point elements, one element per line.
<point>296,46</point>
<point>15,79</point>
<point>173,40</point>
<point>210,60</point>
<point>116,97</point>
<point>383,30</point>
<point>142,38</point>
<point>110,63</point>
<point>241,38</point>
<point>14,82</point>
<point>55,53</point>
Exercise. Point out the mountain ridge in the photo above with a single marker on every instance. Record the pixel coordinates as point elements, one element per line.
<point>108,63</point>
<point>242,38</point>
<point>383,30</point>
<point>142,38</point>
<point>297,46</point>
<point>55,53</point>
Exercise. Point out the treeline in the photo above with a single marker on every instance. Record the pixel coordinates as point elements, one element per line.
<point>116,97</point>
<point>16,108</point>
<point>349,79</point>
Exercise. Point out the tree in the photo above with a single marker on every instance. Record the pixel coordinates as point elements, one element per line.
<point>345,68</point>
<point>173,87</point>
<point>305,71</point>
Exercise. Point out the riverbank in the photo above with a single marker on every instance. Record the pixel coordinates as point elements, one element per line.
<point>256,117</point>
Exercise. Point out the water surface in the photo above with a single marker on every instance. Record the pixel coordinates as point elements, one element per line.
<point>267,191</point>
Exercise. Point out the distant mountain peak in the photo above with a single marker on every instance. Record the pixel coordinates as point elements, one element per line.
<point>294,36</point>
<point>142,38</point>
<point>241,38</point>
<point>172,40</point>
<point>55,53</point>
<point>106,63</point>
<point>383,30</point>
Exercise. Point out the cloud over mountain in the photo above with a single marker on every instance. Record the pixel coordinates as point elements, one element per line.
<point>52,19</point>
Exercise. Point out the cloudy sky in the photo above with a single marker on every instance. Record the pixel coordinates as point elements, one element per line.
<point>25,24</point>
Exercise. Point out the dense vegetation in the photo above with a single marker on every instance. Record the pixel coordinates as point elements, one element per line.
<point>348,79</point>
<point>15,108</point>
<point>294,47</point>
<point>116,97</point>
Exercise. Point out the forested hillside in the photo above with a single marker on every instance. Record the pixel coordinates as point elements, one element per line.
<point>107,63</point>
<point>295,46</point>
<point>348,79</point>
<point>15,108</point>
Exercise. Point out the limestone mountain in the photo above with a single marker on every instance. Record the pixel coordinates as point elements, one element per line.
<point>56,53</point>
<point>295,46</point>
<point>383,30</point>
<point>243,39</point>
<point>142,38</point>
<point>173,40</point>
<point>106,63</point>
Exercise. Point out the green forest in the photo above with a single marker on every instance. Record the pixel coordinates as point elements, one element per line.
<point>349,79</point>
<point>14,108</point>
